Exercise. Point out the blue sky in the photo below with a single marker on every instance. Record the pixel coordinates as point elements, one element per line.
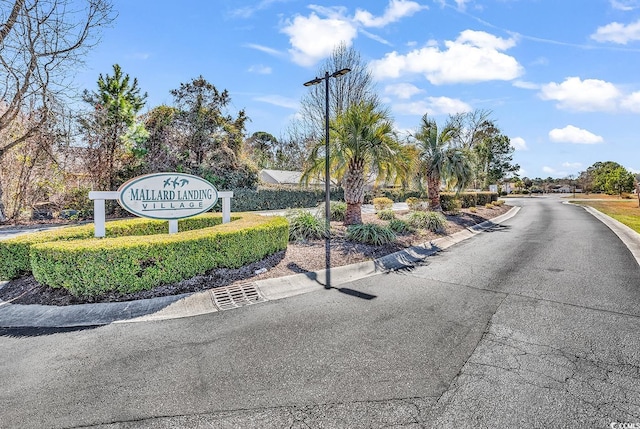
<point>561,77</point>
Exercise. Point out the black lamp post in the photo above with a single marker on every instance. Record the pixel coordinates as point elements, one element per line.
<point>327,177</point>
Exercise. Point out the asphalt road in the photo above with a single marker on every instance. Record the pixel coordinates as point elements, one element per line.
<point>533,324</point>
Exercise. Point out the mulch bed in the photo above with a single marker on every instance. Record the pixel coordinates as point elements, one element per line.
<point>299,257</point>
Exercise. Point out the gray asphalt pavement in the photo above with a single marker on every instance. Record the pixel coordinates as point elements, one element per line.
<point>533,323</point>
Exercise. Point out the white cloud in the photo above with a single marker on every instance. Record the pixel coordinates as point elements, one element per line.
<point>280,101</point>
<point>525,85</point>
<point>246,12</point>
<point>460,4</point>
<point>587,95</point>
<point>626,5</point>
<point>575,135</point>
<point>375,37</point>
<point>540,61</point>
<point>313,38</point>
<point>618,33</point>
<point>522,172</point>
<point>396,10</point>
<point>548,170</point>
<point>402,90</point>
<point>475,56</point>
<point>264,49</point>
<point>633,170</point>
<point>631,102</point>
<point>519,143</point>
<point>572,165</point>
<point>260,69</point>
<point>433,106</point>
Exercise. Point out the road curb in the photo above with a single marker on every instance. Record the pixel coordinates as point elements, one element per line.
<point>199,303</point>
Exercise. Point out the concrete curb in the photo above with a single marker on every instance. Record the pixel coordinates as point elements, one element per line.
<point>194,304</point>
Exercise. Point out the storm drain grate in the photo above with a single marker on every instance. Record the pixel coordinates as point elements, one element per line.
<point>228,297</point>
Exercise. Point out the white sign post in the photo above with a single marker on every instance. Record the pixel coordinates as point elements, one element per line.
<point>169,196</point>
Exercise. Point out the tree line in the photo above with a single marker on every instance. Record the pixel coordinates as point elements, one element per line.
<point>52,155</point>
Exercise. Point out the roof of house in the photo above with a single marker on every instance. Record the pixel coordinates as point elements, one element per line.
<point>282,176</point>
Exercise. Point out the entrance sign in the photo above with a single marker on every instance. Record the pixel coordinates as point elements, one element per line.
<point>168,196</point>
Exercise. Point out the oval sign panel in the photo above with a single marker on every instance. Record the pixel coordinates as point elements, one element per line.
<point>167,196</point>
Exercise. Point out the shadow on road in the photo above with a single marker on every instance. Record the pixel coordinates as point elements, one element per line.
<point>313,276</point>
<point>28,332</point>
<point>496,227</point>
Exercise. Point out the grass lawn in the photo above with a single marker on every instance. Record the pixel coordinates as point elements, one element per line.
<point>626,212</point>
<point>601,197</point>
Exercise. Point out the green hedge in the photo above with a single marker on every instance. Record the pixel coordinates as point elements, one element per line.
<point>130,264</point>
<point>397,195</point>
<point>468,199</point>
<point>280,197</point>
<point>14,252</point>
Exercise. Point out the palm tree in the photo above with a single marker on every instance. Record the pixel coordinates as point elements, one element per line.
<point>362,140</point>
<point>443,159</point>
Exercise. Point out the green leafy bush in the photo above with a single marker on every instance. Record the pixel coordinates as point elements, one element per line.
<point>370,233</point>
<point>452,205</point>
<point>337,210</point>
<point>432,221</point>
<point>399,226</point>
<point>130,264</point>
<point>304,225</point>
<point>382,203</point>
<point>386,214</point>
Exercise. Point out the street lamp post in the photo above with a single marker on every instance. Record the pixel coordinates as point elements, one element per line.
<point>327,176</point>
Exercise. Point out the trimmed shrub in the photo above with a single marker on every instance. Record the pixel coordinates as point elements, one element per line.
<point>370,233</point>
<point>14,252</point>
<point>382,203</point>
<point>488,206</point>
<point>399,226</point>
<point>386,214</point>
<point>469,199</point>
<point>473,209</point>
<point>130,264</point>
<point>280,198</point>
<point>396,195</point>
<point>304,225</point>
<point>452,205</point>
<point>432,221</point>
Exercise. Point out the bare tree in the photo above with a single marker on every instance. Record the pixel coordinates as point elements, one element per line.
<point>41,43</point>
<point>472,127</point>
<point>355,87</point>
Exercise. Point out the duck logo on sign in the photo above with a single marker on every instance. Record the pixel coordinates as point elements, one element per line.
<point>167,196</point>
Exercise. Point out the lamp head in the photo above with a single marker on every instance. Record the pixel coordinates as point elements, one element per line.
<point>313,82</point>
<point>341,72</point>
